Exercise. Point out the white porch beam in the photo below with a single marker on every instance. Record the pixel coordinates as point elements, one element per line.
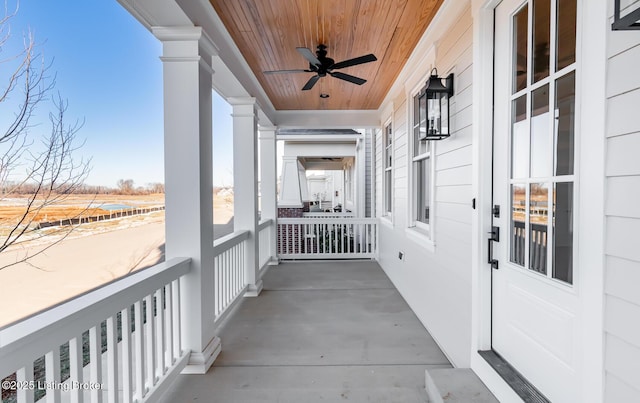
<point>245,185</point>
<point>269,181</point>
<point>188,182</point>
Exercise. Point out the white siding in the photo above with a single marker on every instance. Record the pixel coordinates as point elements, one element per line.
<point>622,270</point>
<point>436,280</point>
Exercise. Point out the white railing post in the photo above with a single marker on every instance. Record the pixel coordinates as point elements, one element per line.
<point>245,185</point>
<point>187,75</point>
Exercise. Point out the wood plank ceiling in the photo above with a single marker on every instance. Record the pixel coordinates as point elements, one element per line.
<point>267,33</point>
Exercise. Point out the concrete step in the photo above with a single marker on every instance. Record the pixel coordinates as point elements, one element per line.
<point>456,385</point>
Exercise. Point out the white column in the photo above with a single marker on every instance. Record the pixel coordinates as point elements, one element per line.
<point>360,174</point>
<point>269,182</point>
<point>304,184</point>
<point>245,185</point>
<point>290,193</point>
<point>187,76</point>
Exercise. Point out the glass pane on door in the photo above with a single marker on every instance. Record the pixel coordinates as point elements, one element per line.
<point>538,203</point>
<point>518,219</point>
<point>565,124</point>
<point>541,38</point>
<point>566,43</point>
<point>563,232</point>
<point>520,60</point>
<point>540,133</point>
<point>519,138</point>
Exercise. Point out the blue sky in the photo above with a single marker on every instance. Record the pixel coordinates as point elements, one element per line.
<point>107,66</point>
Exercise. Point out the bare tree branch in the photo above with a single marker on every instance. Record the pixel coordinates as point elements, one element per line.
<point>47,167</point>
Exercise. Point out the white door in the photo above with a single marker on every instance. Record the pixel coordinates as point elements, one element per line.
<point>535,302</point>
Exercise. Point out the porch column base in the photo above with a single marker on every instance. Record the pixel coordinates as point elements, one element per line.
<point>253,290</point>
<point>200,362</point>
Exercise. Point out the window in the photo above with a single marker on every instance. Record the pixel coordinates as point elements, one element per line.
<point>421,165</point>
<point>388,170</point>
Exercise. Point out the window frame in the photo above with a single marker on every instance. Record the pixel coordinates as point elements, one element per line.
<point>387,157</point>
<point>425,230</point>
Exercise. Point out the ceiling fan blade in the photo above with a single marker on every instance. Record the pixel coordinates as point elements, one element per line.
<point>286,71</point>
<point>348,77</point>
<point>355,61</point>
<point>308,54</point>
<point>312,81</point>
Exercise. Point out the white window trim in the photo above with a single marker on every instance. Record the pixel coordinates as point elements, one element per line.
<point>387,213</point>
<point>419,231</point>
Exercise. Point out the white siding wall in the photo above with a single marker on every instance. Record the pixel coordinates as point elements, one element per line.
<point>436,281</point>
<point>622,248</point>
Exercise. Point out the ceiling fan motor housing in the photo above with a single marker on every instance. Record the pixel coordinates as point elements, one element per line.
<point>325,62</point>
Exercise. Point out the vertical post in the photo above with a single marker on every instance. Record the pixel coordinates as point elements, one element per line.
<point>268,184</point>
<point>290,192</point>
<point>245,185</point>
<point>187,75</point>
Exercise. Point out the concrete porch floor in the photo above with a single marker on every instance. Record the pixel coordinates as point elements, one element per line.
<point>319,332</point>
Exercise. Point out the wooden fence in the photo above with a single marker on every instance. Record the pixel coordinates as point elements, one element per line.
<point>101,217</point>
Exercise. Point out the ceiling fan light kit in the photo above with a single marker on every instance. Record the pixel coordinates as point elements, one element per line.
<point>323,65</point>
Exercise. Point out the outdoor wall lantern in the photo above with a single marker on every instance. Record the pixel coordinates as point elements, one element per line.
<point>630,21</point>
<point>437,96</point>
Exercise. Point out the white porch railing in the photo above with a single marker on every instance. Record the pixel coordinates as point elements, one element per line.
<point>265,242</point>
<point>229,275</point>
<point>133,323</point>
<point>327,238</point>
<point>122,341</point>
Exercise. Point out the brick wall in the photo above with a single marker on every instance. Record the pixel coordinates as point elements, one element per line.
<point>290,237</point>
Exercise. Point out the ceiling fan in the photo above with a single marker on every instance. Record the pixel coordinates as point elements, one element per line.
<point>323,65</point>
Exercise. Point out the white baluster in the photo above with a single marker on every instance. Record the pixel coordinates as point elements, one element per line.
<point>177,348</point>
<point>25,375</point>
<point>139,351</point>
<point>52,375</point>
<point>76,366</point>
<point>150,343</point>
<point>168,300</point>
<point>95,362</point>
<point>127,363</point>
<point>112,360</point>
<point>159,334</point>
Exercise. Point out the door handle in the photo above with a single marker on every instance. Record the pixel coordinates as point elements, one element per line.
<point>495,237</point>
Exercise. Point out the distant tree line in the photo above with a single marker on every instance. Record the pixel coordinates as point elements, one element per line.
<point>123,187</point>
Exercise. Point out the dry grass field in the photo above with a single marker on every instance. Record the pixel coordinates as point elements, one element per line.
<point>75,206</point>
<point>92,254</point>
